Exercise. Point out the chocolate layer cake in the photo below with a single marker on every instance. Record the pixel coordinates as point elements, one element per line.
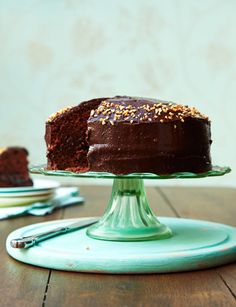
<point>124,135</point>
<point>14,167</point>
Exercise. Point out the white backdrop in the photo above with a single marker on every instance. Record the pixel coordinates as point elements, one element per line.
<point>57,53</point>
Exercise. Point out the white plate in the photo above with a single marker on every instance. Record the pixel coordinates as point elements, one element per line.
<point>23,201</point>
<point>38,185</point>
<point>26,194</point>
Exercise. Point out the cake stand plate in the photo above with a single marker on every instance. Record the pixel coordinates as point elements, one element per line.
<point>194,245</point>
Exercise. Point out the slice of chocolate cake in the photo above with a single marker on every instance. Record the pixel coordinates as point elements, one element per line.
<point>123,135</point>
<point>14,167</point>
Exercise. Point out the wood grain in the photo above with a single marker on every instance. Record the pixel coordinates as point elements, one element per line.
<point>228,275</point>
<point>212,204</point>
<point>188,289</point>
<point>21,284</point>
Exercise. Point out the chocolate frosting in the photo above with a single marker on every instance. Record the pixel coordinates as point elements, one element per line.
<point>174,138</point>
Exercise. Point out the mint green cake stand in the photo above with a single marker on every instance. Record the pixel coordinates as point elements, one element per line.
<point>129,238</point>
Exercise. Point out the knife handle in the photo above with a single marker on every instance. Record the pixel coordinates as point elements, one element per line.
<point>29,241</point>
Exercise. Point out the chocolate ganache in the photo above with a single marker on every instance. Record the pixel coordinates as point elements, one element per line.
<point>123,135</point>
<point>129,135</point>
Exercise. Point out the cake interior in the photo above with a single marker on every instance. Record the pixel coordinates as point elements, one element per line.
<point>68,146</point>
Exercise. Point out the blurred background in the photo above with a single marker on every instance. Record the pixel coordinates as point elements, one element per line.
<point>58,53</point>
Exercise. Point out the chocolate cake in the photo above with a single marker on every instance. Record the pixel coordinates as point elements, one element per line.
<point>123,135</point>
<point>14,167</point>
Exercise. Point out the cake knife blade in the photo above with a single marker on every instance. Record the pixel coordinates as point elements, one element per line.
<point>29,241</point>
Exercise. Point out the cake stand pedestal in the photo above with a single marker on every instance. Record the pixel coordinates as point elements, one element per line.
<point>129,238</point>
<point>128,216</point>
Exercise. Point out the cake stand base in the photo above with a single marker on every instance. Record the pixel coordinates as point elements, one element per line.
<point>194,245</point>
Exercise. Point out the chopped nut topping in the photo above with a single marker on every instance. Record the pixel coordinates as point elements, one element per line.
<point>110,112</point>
<point>54,115</point>
<point>2,149</point>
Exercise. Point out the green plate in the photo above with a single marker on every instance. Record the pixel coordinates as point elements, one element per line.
<point>194,245</point>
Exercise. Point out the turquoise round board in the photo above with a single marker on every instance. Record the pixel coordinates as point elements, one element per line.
<point>195,245</point>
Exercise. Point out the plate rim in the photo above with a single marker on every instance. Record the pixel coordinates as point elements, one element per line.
<point>13,190</point>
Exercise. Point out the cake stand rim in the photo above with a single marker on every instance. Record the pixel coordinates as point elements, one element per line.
<point>214,172</point>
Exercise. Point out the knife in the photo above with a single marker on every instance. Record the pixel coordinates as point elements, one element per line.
<point>29,241</point>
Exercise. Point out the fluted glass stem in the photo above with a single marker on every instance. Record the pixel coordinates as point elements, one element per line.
<point>128,216</point>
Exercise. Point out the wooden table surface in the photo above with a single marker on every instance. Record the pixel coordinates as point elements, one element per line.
<point>25,285</point>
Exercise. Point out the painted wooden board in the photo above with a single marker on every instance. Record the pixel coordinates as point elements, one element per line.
<point>195,245</point>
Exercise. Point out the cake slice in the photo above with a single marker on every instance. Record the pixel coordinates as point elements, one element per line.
<point>14,167</point>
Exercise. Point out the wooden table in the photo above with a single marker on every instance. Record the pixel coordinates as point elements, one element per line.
<point>25,285</point>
